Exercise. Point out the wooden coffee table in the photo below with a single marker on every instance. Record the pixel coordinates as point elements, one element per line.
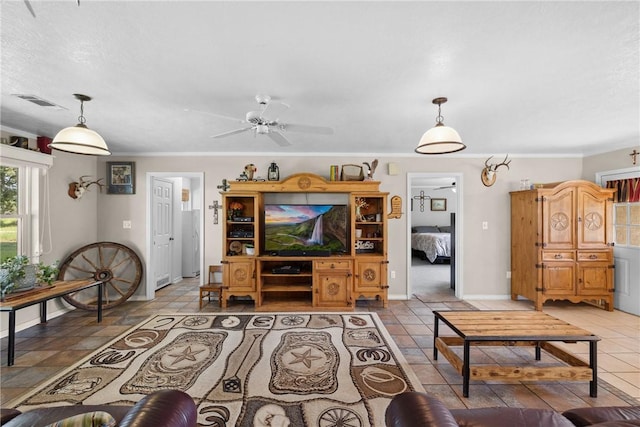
<point>515,328</point>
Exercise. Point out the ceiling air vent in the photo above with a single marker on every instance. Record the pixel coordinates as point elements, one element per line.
<point>39,101</point>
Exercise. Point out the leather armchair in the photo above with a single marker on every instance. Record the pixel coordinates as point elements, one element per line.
<point>164,408</point>
<point>415,409</point>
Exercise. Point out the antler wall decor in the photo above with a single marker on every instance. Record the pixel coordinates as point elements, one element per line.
<point>77,188</point>
<point>488,174</point>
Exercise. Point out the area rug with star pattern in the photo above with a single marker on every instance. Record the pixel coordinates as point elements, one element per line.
<point>297,369</point>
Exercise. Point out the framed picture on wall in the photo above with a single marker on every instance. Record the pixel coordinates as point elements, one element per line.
<point>121,177</point>
<point>438,204</point>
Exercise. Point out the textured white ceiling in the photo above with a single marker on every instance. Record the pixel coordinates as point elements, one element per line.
<point>521,77</point>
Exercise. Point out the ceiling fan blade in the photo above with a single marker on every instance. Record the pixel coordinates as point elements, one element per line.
<point>446,187</point>
<point>278,138</point>
<point>220,116</point>
<point>28,4</point>
<point>320,130</point>
<point>273,110</point>
<point>232,132</point>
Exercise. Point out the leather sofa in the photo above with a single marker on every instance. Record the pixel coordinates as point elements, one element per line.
<point>415,409</point>
<point>164,408</point>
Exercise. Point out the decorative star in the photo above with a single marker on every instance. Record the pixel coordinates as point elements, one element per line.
<point>187,354</point>
<point>305,358</point>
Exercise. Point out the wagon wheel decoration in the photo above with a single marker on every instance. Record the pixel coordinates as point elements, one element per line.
<point>117,266</point>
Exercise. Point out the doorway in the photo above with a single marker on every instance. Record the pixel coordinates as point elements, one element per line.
<point>187,196</point>
<point>434,211</point>
<point>626,250</point>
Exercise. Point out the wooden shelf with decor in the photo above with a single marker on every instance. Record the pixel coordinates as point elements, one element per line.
<point>369,228</point>
<point>317,282</point>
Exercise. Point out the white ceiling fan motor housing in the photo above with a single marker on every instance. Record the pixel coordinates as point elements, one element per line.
<point>262,129</point>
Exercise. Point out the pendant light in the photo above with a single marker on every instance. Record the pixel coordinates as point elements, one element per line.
<point>80,139</point>
<point>440,139</point>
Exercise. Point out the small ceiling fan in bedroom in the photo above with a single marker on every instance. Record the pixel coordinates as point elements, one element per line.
<point>266,121</point>
<point>446,187</point>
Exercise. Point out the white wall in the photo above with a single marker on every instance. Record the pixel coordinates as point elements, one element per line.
<point>427,216</point>
<point>613,160</point>
<point>485,252</point>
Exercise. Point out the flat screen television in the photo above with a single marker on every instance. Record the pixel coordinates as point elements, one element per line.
<point>305,228</point>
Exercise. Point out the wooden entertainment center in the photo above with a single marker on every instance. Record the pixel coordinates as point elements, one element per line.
<point>314,280</point>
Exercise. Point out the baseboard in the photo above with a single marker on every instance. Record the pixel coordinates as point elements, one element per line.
<point>398,297</point>
<point>36,321</point>
<point>487,297</point>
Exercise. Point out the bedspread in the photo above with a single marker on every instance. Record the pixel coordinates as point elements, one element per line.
<point>432,244</point>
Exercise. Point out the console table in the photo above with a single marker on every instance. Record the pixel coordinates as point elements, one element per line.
<point>515,328</point>
<point>41,296</point>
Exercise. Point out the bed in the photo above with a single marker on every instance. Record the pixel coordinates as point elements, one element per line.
<point>431,242</point>
<point>445,239</point>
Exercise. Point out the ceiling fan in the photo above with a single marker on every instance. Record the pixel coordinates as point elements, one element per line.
<point>444,187</point>
<point>27,3</point>
<point>266,121</point>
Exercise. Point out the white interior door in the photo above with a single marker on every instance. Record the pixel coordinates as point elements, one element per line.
<point>162,231</point>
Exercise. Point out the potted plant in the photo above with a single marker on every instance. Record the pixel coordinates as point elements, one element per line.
<point>16,273</point>
<point>47,273</point>
<point>12,270</point>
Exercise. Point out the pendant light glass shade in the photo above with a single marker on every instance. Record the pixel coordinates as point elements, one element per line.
<point>440,139</point>
<point>80,139</point>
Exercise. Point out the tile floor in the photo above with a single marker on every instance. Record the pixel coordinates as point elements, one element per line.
<point>45,350</point>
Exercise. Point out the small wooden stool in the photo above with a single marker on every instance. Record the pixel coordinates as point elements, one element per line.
<point>212,285</point>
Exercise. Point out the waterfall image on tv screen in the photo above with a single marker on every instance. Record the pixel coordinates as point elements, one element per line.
<point>305,227</point>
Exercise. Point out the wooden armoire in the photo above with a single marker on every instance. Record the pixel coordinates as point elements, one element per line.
<point>562,244</point>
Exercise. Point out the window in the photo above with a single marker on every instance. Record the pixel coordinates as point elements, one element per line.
<point>626,216</point>
<point>626,224</point>
<point>11,218</point>
<point>21,173</point>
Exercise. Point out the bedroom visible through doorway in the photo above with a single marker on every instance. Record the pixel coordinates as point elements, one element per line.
<point>434,202</point>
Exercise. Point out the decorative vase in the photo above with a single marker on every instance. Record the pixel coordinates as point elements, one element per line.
<point>29,280</point>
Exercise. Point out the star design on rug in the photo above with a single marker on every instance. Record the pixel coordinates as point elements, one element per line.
<point>187,354</point>
<point>305,358</point>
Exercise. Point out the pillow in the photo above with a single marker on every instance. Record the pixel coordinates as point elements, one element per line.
<point>445,229</point>
<point>90,419</point>
<point>425,229</point>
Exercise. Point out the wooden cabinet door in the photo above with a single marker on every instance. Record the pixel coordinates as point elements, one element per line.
<point>240,275</point>
<point>333,289</point>
<point>595,278</point>
<point>558,278</point>
<point>594,219</point>
<point>559,213</point>
<point>371,275</point>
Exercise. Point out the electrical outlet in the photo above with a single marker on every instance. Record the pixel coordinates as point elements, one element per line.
<point>485,225</point>
<point>393,274</point>
<point>126,223</point>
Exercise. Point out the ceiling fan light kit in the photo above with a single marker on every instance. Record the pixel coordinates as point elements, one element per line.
<point>440,139</point>
<point>79,139</point>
